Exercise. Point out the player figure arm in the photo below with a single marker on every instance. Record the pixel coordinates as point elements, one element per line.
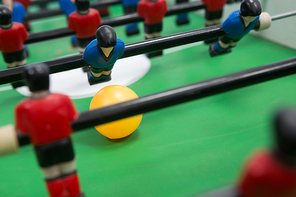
<point>8,3</point>
<point>24,33</point>
<point>165,7</point>
<point>71,23</point>
<point>121,47</point>
<point>264,22</point>
<point>99,21</point>
<point>72,112</point>
<point>141,9</point>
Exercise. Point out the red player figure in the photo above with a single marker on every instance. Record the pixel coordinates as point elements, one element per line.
<point>85,22</point>
<point>12,37</point>
<point>213,14</point>
<point>273,173</point>
<point>153,11</point>
<point>45,118</point>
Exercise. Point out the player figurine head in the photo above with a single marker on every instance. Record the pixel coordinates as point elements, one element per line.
<point>5,16</point>
<point>106,36</point>
<point>250,8</point>
<point>37,77</point>
<point>82,6</point>
<point>285,133</point>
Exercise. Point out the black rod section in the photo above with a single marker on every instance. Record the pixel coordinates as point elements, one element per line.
<point>147,46</point>
<point>41,2</point>
<point>117,21</point>
<point>56,12</point>
<point>180,95</point>
<point>186,93</point>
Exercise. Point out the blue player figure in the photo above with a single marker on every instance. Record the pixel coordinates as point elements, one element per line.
<point>18,12</point>
<point>182,19</point>
<point>238,24</point>
<point>130,6</point>
<point>102,53</point>
<point>8,3</point>
<point>68,6</point>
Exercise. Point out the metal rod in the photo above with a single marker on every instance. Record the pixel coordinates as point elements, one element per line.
<point>186,93</point>
<point>56,12</point>
<point>117,21</point>
<point>38,2</point>
<point>284,15</point>
<point>181,95</point>
<point>151,45</point>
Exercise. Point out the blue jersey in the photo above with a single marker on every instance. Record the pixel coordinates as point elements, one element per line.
<point>92,55</point>
<point>67,7</point>
<point>234,25</point>
<point>18,12</point>
<point>129,3</point>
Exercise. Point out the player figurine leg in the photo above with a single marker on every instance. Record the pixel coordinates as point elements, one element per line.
<point>131,29</point>
<point>153,11</point>
<point>52,142</point>
<point>239,23</point>
<point>182,18</point>
<point>213,14</point>
<point>153,31</point>
<point>102,53</point>
<point>273,172</point>
<point>213,18</point>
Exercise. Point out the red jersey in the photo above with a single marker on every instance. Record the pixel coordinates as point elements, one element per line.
<point>266,176</point>
<point>12,40</point>
<point>152,12</point>
<point>215,5</point>
<point>85,26</point>
<point>25,3</point>
<point>46,119</point>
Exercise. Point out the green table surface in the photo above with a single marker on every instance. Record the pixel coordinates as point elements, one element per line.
<point>183,150</point>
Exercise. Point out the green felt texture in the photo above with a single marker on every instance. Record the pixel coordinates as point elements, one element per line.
<point>183,150</point>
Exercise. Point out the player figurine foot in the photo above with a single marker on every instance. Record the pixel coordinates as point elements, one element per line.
<point>95,80</point>
<point>210,41</point>
<point>154,54</point>
<point>215,53</point>
<point>131,32</point>
<point>182,22</point>
<point>182,19</point>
